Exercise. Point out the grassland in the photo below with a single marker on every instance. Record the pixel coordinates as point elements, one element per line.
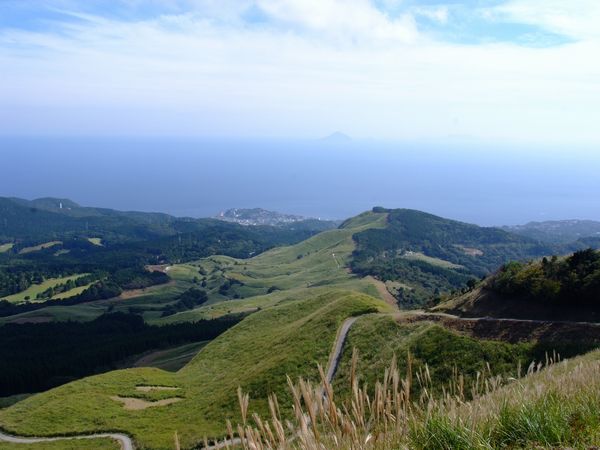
<point>5,402</point>
<point>171,359</point>
<point>32,291</point>
<point>319,261</point>
<point>6,247</point>
<point>378,338</point>
<point>418,256</point>
<point>37,248</point>
<point>299,296</point>
<point>71,292</point>
<point>75,444</point>
<point>549,409</point>
<point>257,354</point>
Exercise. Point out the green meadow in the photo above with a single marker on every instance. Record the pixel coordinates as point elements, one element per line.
<point>71,444</point>
<point>32,291</point>
<point>37,248</point>
<point>95,240</point>
<point>257,354</point>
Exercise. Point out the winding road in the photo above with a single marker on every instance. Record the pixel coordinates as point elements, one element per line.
<point>332,366</point>
<point>338,346</point>
<point>124,440</point>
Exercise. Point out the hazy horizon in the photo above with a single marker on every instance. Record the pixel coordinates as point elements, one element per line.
<point>200,178</point>
<point>478,110</point>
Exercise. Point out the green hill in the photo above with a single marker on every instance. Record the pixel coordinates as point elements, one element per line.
<point>257,354</point>
<point>565,288</point>
<point>431,255</point>
<point>293,299</point>
<point>558,231</point>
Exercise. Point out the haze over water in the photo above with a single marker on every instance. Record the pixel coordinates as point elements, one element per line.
<point>473,182</point>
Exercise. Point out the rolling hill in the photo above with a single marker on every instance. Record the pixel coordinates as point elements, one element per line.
<point>565,288</point>
<point>426,255</point>
<point>557,231</point>
<point>295,299</point>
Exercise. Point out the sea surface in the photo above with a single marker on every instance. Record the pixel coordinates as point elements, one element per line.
<point>473,182</point>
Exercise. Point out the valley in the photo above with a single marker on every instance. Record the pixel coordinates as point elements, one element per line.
<point>290,309</point>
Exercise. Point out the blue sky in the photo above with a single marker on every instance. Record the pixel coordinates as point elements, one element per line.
<point>513,70</point>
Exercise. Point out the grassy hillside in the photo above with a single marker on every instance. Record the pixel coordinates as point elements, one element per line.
<point>171,359</point>
<point>290,338</point>
<point>431,255</point>
<point>79,444</point>
<point>6,247</point>
<point>53,238</point>
<point>296,296</point>
<point>310,263</point>
<point>566,288</point>
<point>476,348</point>
<point>32,291</point>
<point>548,409</point>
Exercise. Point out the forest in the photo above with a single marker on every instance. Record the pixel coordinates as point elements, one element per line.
<point>569,280</point>
<point>40,356</point>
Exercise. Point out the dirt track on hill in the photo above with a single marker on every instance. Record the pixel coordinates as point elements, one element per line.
<point>383,292</point>
<point>124,440</point>
<point>511,330</point>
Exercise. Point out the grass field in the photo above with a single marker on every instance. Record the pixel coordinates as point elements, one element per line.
<point>36,289</point>
<point>78,444</point>
<point>6,247</point>
<point>299,296</point>
<point>417,256</point>
<point>553,408</point>
<point>5,402</point>
<point>256,354</point>
<point>318,261</point>
<point>37,248</point>
<point>71,292</point>
<point>378,338</point>
<point>171,359</point>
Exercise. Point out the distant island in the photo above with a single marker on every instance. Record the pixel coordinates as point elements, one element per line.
<point>337,138</point>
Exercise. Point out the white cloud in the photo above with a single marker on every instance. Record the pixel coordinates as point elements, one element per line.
<point>348,19</point>
<point>437,13</point>
<point>308,72</point>
<point>578,19</point>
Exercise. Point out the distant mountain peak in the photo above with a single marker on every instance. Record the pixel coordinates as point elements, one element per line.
<point>337,137</point>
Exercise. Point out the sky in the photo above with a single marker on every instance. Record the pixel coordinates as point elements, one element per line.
<point>524,71</point>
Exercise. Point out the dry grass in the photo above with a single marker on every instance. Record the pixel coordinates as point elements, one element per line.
<point>137,404</point>
<point>551,408</point>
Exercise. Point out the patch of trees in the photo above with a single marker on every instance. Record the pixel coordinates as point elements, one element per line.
<point>380,253</point>
<point>572,280</point>
<point>66,286</point>
<point>37,357</point>
<point>108,286</point>
<point>425,280</point>
<point>190,299</point>
<point>227,285</point>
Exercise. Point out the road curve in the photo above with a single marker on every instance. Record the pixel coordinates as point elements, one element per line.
<point>332,365</point>
<point>124,440</point>
<point>338,346</point>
